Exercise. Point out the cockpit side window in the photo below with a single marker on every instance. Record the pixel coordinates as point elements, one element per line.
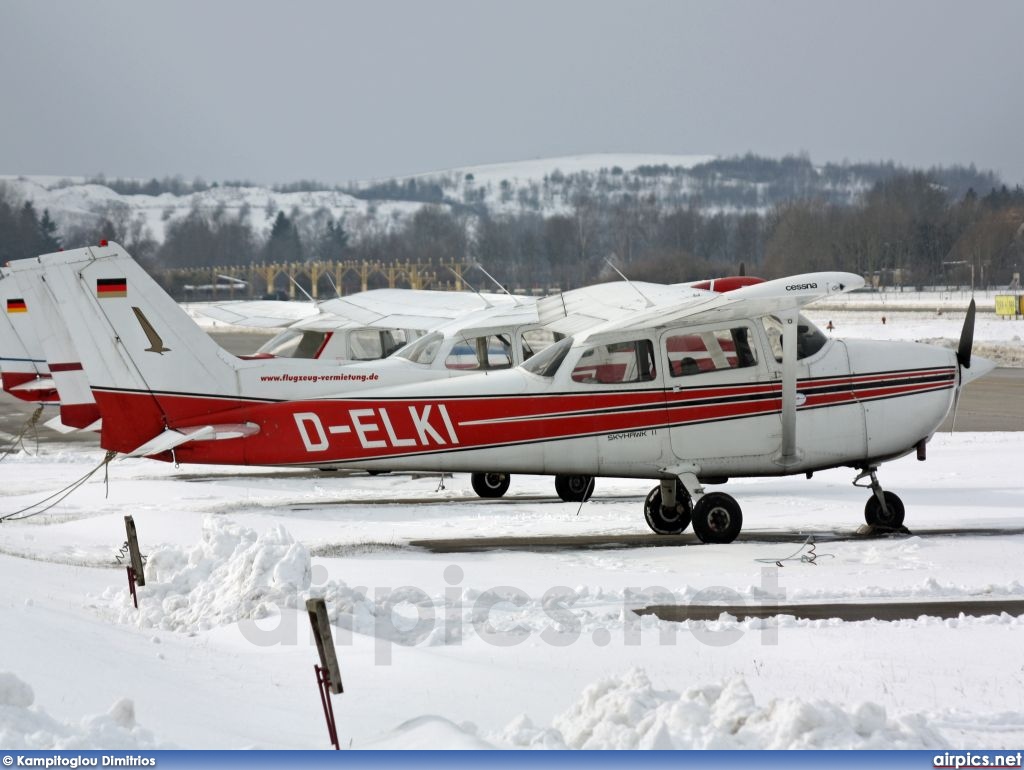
<point>809,338</point>
<point>365,344</point>
<point>490,351</point>
<point>616,362</point>
<point>709,351</point>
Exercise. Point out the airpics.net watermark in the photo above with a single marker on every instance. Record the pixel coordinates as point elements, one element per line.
<point>507,616</point>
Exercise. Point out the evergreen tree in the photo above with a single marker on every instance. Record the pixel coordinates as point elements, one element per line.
<point>284,244</point>
<point>333,242</point>
<point>49,241</point>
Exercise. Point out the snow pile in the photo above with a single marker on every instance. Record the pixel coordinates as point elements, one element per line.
<point>231,574</point>
<point>629,713</point>
<point>24,726</point>
<point>430,732</point>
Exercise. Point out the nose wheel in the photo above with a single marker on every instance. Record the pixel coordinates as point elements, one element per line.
<point>717,518</point>
<point>883,509</point>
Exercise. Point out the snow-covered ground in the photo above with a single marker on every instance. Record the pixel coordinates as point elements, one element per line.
<point>509,648</point>
<point>219,655</point>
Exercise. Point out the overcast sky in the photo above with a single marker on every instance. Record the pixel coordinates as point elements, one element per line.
<point>338,91</point>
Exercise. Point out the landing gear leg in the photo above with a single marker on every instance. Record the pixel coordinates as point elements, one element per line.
<point>883,509</point>
<point>667,508</point>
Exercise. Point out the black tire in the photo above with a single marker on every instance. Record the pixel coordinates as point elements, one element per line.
<point>490,484</point>
<point>574,489</point>
<point>717,518</point>
<point>667,521</point>
<point>876,517</point>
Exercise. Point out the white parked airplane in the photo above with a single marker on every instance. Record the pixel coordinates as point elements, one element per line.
<point>723,385</point>
<point>360,327</point>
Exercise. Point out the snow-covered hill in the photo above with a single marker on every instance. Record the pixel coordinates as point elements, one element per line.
<point>543,186</point>
<point>538,183</point>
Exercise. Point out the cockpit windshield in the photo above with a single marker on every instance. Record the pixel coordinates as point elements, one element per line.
<point>422,351</point>
<point>546,363</point>
<point>295,343</point>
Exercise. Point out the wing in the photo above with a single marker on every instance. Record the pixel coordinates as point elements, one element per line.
<point>417,309</point>
<point>261,314</point>
<point>573,311</point>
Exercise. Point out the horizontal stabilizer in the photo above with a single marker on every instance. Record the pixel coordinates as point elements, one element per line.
<point>54,423</point>
<point>170,439</point>
<point>39,383</point>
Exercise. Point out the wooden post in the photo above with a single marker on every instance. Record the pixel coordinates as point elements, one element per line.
<point>328,673</point>
<point>136,572</point>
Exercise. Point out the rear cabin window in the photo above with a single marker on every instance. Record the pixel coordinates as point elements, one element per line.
<point>616,362</point>
<point>709,351</point>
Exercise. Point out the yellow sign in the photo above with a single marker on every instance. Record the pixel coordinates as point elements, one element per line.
<point>1007,304</point>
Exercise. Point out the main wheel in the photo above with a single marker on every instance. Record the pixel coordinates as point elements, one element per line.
<point>717,518</point>
<point>667,521</point>
<point>876,517</point>
<point>574,489</point>
<point>490,484</point>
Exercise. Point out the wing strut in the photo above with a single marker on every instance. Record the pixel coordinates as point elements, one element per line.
<point>790,321</point>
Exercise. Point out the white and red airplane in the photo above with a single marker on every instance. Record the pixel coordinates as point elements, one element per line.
<point>721,385</point>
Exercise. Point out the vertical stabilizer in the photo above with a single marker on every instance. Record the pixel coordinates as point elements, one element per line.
<point>145,359</point>
<point>77,406</point>
<point>22,366</point>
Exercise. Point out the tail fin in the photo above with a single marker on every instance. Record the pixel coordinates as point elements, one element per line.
<point>77,406</point>
<point>145,359</point>
<point>23,369</point>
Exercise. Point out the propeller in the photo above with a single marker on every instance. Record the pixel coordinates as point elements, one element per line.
<point>963,357</point>
<point>963,351</point>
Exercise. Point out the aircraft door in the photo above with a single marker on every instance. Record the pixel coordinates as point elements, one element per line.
<point>830,424</point>
<point>618,422</point>
<point>721,407</point>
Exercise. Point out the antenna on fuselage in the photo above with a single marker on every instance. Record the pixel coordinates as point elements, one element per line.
<point>475,290</point>
<point>308,296</point>
<point>629,283</point>
<point>495,281</point>
<point>333,285</point>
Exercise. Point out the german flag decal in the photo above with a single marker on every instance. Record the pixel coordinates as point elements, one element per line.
<point>111,287</point>
<point>16,306</point>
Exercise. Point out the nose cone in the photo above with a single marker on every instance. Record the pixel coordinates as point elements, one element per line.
<point>979,368</point>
